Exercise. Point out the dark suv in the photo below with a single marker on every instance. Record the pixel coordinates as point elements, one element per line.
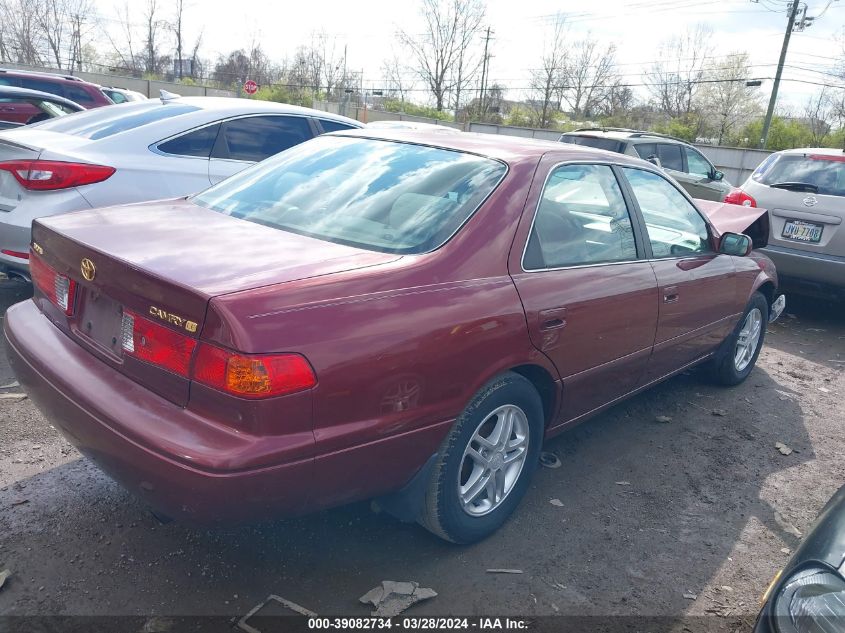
<point>86,94</point>
<point>679,159</point>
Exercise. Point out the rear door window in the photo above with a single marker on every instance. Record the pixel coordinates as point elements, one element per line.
<point>582,219</point>
<point>256,138</point>
<point>197,143</point>
<point>670,156</point>
<point>646,150</point>
<point>334,126</point>
<point>78,95</point>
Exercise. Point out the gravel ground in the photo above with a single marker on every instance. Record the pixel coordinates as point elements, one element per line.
<point>681,518</point>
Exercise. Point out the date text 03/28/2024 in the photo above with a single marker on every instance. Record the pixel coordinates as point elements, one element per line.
<point>423,623</point>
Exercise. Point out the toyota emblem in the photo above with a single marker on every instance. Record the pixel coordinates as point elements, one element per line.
<point>810,201</point>
<point>88,269</point>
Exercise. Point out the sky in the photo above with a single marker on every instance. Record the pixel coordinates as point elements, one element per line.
<point>367,28</point>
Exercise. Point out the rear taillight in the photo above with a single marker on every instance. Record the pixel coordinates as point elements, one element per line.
<point>738,196</point>
<point>243,375</point>
<point>252,376</point>
<point>156,344</point>
<point>59,289</point>
<point>47,175</point>
<point>18,254</point>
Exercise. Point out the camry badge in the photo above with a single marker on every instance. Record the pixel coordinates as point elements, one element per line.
<point>89,271</point>
<point>810,201</point>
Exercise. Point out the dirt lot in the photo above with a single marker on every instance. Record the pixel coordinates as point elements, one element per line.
<point>703,505</point>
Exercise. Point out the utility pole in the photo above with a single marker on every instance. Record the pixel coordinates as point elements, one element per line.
<point>790,25</point>
<point>484,63</point>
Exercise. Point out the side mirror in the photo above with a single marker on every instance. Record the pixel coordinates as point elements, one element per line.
<point>736,244</point>
<point>654,160</point>
<point>717,175</point>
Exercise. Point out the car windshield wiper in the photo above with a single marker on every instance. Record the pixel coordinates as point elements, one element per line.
<point>807,187</point>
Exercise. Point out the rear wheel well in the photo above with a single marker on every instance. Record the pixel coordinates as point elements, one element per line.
<point>544,384</point>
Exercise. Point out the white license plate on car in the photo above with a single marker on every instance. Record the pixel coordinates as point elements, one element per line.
<point>801,231</point>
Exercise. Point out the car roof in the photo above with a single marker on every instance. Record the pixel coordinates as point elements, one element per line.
<point>823,151</point>
<point>26,93</point>
<point>58,77</point>
<point>233,106</point>
<point>510,149</point>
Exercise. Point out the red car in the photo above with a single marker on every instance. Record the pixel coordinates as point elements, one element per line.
<point>404,315</point>
<point>72,88</point>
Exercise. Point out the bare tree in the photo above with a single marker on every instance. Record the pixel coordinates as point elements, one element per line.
<point>590,72</point>
<point>396,83</point>
<point>176,27</point>
<point>727,102</point>
<point>547,80</point>
<point>674,81</point>
<point>22,38</point>
<point>153,61</point>
<point>818,111</point>
<point>440,53</point>
<point>125,43</point>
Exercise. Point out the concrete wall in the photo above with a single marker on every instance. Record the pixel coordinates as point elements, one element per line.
<point>509,130</point>
<point>147,87</point>
<point>359,114</point>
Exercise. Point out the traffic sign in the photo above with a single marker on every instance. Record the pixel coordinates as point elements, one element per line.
<point>250,87</point>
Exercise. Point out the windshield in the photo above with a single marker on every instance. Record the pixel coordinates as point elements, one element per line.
<point>824,173</point>
<point>378,195</point>
<point>103,122</point>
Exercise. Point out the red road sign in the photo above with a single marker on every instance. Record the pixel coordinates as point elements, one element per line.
<point>250,87</point>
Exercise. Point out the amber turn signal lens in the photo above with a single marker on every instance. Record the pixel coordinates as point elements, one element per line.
<point>252,376</point>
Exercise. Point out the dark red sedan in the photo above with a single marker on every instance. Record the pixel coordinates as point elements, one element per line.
<point>403,315</point>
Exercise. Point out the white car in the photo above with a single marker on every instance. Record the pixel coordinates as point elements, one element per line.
<point>410,125</point>
<point>122,95</point>
<point>134,152</point>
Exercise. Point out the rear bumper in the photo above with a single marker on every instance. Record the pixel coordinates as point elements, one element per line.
<point>814,273</point>
<point>146,443</point>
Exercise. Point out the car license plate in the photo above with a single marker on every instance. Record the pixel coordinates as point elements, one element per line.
<point>100,322</point>
<point>801,231</point>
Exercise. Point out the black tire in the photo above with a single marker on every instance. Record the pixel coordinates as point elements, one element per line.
<point>723,369</point>
<point>443,513</point>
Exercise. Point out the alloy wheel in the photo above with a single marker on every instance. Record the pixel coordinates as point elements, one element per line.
<point>748,339</point>
<point>493,460</point>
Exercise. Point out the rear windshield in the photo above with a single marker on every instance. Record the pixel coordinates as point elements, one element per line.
<point>378,195</point>
<point>609,144</point>
<point>824,173</point>
<point>104,122</point>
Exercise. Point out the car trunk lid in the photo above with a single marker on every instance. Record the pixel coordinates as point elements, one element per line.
<point>186,256</point>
